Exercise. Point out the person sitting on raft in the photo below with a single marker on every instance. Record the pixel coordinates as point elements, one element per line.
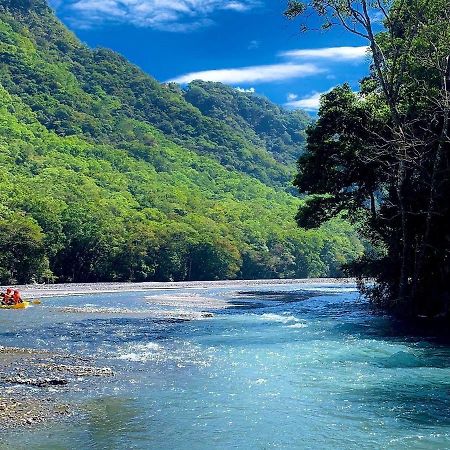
<point>7,297</point>
<point>17,298</point>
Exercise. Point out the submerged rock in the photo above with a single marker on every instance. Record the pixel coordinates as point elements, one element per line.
<point>401,359</point>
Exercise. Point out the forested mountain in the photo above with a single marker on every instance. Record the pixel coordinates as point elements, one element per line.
<point>107,174</point>
<point>75,90</point>
<point>254,117</point>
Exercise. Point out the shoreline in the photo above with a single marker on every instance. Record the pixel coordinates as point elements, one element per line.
<point>33,291</point>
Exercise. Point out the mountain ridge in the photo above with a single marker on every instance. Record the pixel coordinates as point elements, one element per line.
<point>280,131</point>
<point>105,77</point>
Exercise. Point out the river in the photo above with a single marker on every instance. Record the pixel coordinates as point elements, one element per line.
<point>298,366</point>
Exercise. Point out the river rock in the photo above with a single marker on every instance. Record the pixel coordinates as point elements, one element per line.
<point>38,382</point>
<point>79,371</point>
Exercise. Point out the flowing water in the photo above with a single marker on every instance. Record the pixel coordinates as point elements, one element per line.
<point>293,367</point>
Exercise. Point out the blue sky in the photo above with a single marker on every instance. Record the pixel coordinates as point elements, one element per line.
<point>244,43</point>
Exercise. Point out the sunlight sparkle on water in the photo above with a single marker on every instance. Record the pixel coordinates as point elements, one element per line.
<point>318,373</point>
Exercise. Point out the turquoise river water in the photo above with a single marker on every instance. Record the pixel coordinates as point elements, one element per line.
<point>274,371</point>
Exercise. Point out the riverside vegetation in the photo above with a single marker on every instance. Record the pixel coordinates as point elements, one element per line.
<point>107,174</point>
<point>382,155</point>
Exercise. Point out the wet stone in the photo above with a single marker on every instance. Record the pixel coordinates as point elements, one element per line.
<point>79,371</point>
<point>37,382</point>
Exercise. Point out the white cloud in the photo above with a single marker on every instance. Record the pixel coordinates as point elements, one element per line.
<point>292,97</point>
<point>253,45</point>
<point>168,15</point>
<point>252,74</point>
<point>337,54</point>
<point>309,103</point>
<point>249,90</point>
<point>237,6</point>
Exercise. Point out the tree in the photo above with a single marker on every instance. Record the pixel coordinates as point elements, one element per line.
<point>21,246</point>
<point>213,261</point>
<point>393,140</point>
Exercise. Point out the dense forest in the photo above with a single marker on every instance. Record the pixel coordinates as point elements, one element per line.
<point>382,156</point>
<point>107,174</point>
<point>255,118</point>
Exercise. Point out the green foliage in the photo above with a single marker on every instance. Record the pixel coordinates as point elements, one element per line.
<point>337,143</point>
<point>76,91</point>
<point>254,117</point>
<point>381,157</point>
<point>22,249</point>
<point>112,176</point>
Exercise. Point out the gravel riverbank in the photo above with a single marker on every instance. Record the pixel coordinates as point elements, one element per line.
<point>30,380</point>
<point>52,290</point>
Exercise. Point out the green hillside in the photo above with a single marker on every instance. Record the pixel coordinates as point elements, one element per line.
<point>266,125</point>
<point>108,175</point>
<point>75,91</point>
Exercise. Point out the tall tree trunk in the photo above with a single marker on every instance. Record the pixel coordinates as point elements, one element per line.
<point>443,138</point>
<point>388,92</point>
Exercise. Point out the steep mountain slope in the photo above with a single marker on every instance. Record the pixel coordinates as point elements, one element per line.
<point>107,175</point>
<point>254,117</point>
<point>75,90</point>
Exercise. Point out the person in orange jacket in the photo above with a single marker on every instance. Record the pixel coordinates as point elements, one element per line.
<point>17,298</point>
<point>7,297</point>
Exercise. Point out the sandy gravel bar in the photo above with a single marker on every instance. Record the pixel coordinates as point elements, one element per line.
<point>53,290</point>
<point>187,300</point>
<point>26,411</point>
<point>22,371</point>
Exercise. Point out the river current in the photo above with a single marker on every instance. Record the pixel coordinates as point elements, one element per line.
<point>305,366</point>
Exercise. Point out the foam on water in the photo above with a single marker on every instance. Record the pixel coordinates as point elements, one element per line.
<point>298,325</point>
<point>177,353</point>
<point>142,352</point>
<point>282,318</point>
